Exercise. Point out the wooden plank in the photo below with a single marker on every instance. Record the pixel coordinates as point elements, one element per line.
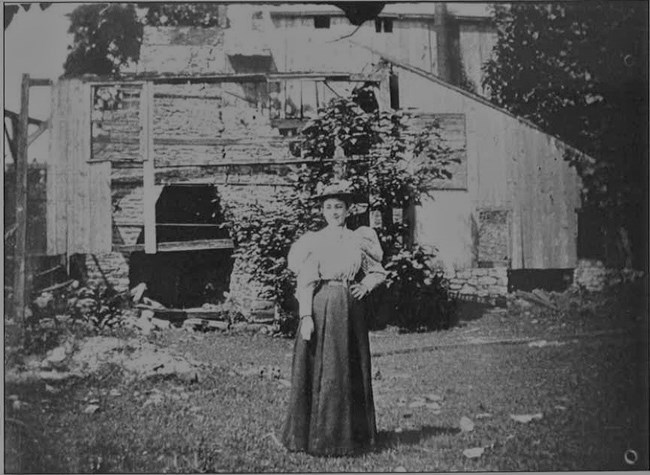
<point>21,203</point>
<point>196,245</point>
<point>146,143</point>
<point>199,141</point>
<point>83,192</point>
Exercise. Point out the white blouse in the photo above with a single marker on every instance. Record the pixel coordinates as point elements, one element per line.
<point>335,254</point>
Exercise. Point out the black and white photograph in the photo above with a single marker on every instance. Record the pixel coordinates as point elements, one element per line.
<point>280,237</point>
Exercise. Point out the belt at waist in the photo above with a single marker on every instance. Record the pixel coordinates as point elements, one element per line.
<point>337,282</point>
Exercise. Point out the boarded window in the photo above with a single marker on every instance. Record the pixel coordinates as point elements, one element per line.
<point>384,25</point>
<point>493,237</point>
<point>115,123</point>
<point>445,137</point>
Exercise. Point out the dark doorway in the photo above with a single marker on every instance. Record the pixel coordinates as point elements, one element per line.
<point>557,280</point>
<point>186,278</point>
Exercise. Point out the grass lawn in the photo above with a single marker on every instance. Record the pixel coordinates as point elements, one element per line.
<point>591,392</point>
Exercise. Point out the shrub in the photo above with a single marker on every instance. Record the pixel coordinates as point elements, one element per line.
<point>418,295</point>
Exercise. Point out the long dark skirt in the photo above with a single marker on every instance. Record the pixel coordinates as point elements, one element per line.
<point>331,409</point>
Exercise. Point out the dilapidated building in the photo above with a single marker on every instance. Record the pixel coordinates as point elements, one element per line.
<point>139,164</point>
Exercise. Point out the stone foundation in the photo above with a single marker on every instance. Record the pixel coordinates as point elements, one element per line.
<point>592,275</point>
<point>485,283</point>
<point>114,266</point>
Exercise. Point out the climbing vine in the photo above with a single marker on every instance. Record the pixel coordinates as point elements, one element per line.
<point>390,168</point>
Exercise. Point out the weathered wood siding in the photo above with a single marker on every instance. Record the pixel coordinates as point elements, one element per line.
<point>476,42</point>
<point>78,193</point>
<point>298,46</point>
<point>511,166</point>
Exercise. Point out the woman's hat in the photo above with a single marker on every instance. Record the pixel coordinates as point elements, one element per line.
<point>338,189</point>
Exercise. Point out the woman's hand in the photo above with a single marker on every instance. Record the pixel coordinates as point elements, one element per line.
<point>359,291</point>
<point>306,328</point>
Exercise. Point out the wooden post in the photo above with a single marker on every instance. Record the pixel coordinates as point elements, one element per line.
<point>148,178</point>
<point>20,161</point>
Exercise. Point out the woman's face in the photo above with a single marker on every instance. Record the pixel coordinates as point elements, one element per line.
<point>335,211</point>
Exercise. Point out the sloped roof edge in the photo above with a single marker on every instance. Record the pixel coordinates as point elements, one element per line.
<point>433,78</point>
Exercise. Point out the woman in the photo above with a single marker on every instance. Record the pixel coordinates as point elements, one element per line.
<point>331,409</point>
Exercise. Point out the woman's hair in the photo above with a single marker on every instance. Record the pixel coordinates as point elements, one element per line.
<point>344,198</point>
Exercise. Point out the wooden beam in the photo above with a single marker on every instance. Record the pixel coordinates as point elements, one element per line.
<point>196,245</point>
<point>32,121</point>
<point>198,141</point>
<point>11,142</point>
<point>40,82</point>
<point>41,128</point>
<point>221,78</point>
<point>148,174</point>
<point>21,203</point>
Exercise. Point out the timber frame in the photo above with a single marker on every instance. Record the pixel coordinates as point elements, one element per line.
<point>19,143</point>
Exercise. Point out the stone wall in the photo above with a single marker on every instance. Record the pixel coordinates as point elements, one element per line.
<point>490,284</point>
<point>592,275</point>
<point>114,266</point>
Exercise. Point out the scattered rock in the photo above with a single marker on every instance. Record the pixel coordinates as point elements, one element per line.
<point>218,325</point>
<point>560,408</point>
<point>154,399</point>
<point>433,397</point>
<point>526,418</point>
<point>57,355</point>
<point>91,409</point>
<point>466,424</point>
<point>474,452</point>
<point>114,393</point>
<point>51,389</point>
<point>543,343</point>
<point>161,324</point>
<point>44,300</point>
<point>433,406</point>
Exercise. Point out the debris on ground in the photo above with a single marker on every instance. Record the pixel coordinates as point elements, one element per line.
<point>474,452</point>
<point>525,418</point>
<point>538,297</point>
<point>267,372</point>
<point>466,424</point>
<point>544,343</point>
<point>137,292</point>
<point>91,409</point>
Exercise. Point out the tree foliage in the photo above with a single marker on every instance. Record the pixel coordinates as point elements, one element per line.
<point>389,168</point>
<point>181,14</point>
<point>106,37</point>
<point>579,71</point>
<point>10,11</point>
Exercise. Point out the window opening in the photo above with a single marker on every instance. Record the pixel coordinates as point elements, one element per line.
<point>384,25</point>
<point>321,22</point>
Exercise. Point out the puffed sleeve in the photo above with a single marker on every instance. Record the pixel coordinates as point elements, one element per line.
<point>372,254</point>
<point>303,263</point>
